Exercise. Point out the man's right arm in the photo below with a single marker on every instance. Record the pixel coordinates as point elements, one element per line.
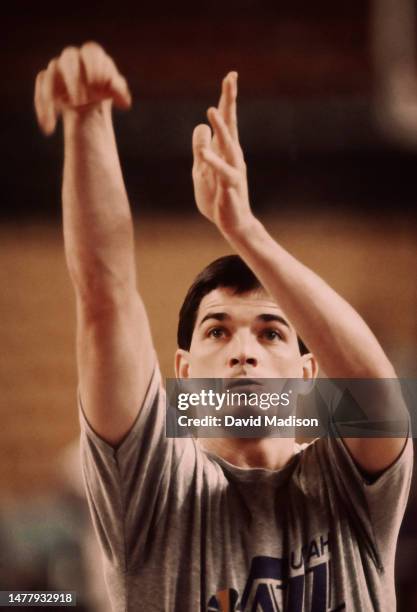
<point>115,354</point>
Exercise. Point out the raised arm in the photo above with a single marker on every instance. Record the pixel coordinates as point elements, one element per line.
<point>115,354</point>
<point>343,344</point>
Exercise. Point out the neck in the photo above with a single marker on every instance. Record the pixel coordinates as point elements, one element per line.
<point>269,453</point>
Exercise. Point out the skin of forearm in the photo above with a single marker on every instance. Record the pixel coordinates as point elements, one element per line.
<point>343,344</point>
<point>98,230</point>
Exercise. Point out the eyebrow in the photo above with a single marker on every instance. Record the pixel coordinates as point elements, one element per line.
<point>266,318</point>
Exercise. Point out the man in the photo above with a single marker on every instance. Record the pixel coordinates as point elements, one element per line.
<point>216,524</point>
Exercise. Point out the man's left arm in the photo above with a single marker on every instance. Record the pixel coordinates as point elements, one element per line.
<point>342,342</point>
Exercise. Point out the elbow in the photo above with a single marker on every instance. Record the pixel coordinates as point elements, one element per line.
<point>378,368</point>
<point>100,295</point>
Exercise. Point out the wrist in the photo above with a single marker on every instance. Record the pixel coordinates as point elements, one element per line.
<point>243,230</point>
<point>81,117</point>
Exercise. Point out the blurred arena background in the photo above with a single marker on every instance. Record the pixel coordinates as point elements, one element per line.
<point>328,123</point>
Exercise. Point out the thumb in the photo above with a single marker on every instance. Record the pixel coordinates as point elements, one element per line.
<point>201,140</point>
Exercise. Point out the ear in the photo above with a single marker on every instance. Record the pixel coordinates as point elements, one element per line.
<point>310,366</point>
<point>182,363</point>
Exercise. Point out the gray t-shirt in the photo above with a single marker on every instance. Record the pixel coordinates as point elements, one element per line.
<point>182,530</point>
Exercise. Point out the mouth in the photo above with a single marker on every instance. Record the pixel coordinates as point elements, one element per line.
<point>242,383</point>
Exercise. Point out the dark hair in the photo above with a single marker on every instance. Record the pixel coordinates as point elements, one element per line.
<point>228,271</point>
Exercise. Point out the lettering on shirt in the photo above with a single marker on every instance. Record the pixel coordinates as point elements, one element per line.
<point>299,583</point>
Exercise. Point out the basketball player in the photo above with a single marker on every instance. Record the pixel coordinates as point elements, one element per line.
<point>220,523</point>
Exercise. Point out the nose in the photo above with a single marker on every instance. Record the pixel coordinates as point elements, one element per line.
<point>242,353</point>
<point>243,360</point>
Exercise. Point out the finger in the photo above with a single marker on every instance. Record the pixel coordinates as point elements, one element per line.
<point>227,146</point>
<point>227,172</point>
<point>201,140</point>
<point>68,67</point>
<point>44,103</point>
<point>119,91</point>
<point>38,100</point>
<point>92,57</point>
<point>102,74</point>
<point>227,103</point>
<point>222,100</point>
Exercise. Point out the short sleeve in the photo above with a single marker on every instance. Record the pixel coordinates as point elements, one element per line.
<point>376,507</point>
<point>387,499</point>
<point>128,487</point>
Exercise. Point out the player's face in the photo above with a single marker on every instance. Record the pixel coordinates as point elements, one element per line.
<point>242,335</point>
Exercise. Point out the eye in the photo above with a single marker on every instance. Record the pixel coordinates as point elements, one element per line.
<point>216,332</point>
<point>272,335</point>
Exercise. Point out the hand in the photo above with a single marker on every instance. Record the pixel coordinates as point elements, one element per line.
<point>219,169</point>
<point>76,79</point>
